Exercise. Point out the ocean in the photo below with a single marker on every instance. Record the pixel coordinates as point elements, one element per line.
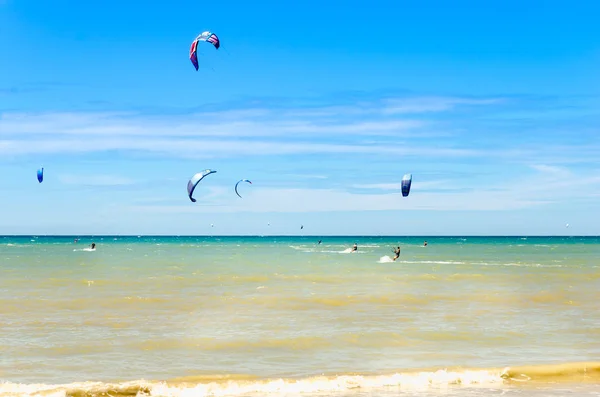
<point>274,316</point>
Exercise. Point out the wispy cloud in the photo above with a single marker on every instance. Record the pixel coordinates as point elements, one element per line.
<point>216,148</point>
<point>432,104</point>
<point>383,136</point>
<point>194,125</point>
<point>436,185</point>
<point>307,176</point>
<point>379,186</point>
<point>315,157</point>
<point>328,200</point>
<point>95,180</point>
<point>508,195</point>
<point>251,131</point>
<point>551,170</point>
<point>404,129</point>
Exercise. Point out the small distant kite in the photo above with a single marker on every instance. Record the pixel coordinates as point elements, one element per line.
<point>406,182</point>
<point>195,180</point>
<point>238,182</point>
<point>40,174</point>
<point>208,37</point>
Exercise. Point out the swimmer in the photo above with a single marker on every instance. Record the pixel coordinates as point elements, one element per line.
<point>425,244</point>
<point>355,248</point>
<point>93,246</point>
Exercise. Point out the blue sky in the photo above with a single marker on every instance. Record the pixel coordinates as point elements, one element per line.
<point>494,108</point>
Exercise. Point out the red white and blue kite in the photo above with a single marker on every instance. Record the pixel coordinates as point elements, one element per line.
<point>207,36</point>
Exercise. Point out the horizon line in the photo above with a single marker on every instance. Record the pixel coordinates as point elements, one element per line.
<point>289,235</point>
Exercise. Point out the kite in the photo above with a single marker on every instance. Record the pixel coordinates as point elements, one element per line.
<point>207,36</point>
<point>406,182</point>
<point>236,185</point>
<point>195,180</point>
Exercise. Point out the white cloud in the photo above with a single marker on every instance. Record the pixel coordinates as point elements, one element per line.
<point>421,185</point>
<point>110,124</point>
<point>394,106</point>
<point>503,195</point>
<point>72,132</point>
<point>307,176</point>
<point>431,104</point>
<point>328,200</point>
<point>378,186</point>
<point>95,180</point>
<point>551,170</point>
<point>218,148</point>
<point>372,127</point>
<point>377,133</point>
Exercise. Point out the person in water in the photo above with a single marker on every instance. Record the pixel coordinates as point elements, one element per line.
<point>93,246</point>
<point>396,253</point>
<point>425,244</point>
<point>355,248</point>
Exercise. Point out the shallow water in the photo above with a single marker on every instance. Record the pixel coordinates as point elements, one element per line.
<point>272,314</point>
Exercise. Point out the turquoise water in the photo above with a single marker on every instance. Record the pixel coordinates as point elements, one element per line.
<point>260,315</point>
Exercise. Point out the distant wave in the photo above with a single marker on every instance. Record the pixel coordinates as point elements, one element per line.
<point>478,263</point>
<point>432,262</point>
<point>238,385</point>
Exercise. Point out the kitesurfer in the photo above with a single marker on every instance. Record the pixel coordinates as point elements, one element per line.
<point>396,253</point>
